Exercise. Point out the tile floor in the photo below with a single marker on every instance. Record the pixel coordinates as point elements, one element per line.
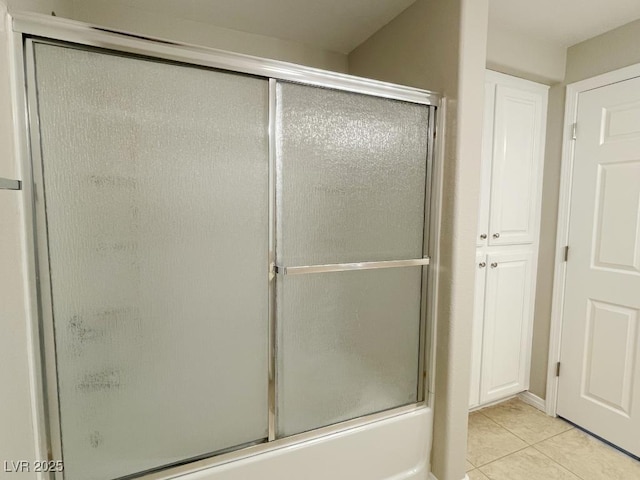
<point>515,441</point>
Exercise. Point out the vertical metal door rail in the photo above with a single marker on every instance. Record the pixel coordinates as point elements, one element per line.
<point>425,328</point>
<point>272,260</point>
<point>43,275</point>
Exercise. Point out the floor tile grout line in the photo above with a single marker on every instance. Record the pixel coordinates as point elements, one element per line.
<point>514,433</point>
<point>557,462</point>
<point>503,456</point>
<point>500,426</point>
<point>563,467</point>
<point>537,442</point>
<point>553,436</point>
<point>477,467</point>
<point>505,428</point>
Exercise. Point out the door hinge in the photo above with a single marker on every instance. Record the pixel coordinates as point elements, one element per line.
<point>558,369</point>
<point>566,253</point>
<point>574,128</point>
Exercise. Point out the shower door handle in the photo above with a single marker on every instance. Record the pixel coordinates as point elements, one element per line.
<point>344,267</point>
<point>9,184</point>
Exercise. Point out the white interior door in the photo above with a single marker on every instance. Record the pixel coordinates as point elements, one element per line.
<point>599,387</point>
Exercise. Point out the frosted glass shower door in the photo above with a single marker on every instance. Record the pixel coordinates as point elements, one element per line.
<point>155,180</point>
<point>350,189</point>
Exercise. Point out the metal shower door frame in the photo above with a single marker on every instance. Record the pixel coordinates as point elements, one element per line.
<point>30,29</point>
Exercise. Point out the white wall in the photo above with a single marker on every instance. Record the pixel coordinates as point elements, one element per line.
<point>441,45</point>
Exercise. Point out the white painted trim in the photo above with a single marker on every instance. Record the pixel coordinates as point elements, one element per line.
<point>564,212</point>
<point>493,403</point>
<point>515,82</point>
<point>533,400</point>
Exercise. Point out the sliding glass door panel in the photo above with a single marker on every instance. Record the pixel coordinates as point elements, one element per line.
<point>347,345</point>
<point>351,176</point>
<point>156,200</point>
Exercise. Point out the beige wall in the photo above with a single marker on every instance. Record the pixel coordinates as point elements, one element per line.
<point>441,45</point>
<point>121,15</point>
<point>62,8</point>
<point>547,244</point>
<point>521,56</point>
<point>612,50</point>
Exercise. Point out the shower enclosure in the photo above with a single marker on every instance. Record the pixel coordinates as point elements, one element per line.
<point>230,254</point>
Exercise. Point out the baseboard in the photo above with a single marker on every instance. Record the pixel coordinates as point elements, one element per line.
<point>533,400</point>
<point>492,403</point>
<point>433,477</point>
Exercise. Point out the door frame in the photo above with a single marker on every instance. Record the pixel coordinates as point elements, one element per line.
<point>564,216</point>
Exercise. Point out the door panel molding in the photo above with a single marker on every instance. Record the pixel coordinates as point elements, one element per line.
<point>564,212</point>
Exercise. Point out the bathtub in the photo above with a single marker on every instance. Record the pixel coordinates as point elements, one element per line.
<point>395,448</point>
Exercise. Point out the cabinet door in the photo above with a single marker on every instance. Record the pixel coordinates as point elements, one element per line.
<point>478,318</point>
<point>517,160</point>
<point>507,320</point>
<point>487,152</point>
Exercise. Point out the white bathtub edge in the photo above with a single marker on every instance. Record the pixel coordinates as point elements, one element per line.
<point>396,448</point>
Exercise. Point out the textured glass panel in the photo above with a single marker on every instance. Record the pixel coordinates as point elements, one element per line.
<point>155,181</point>
<point>351,175</point>
<point>347,345</point>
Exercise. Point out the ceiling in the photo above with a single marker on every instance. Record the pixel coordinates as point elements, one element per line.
<point>336,25</point>
<point>562,22</point>
<point>342,25</point>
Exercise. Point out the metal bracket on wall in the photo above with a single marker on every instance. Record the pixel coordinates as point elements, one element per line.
<point>9,184</point>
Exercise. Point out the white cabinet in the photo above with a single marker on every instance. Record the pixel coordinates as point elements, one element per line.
<point>478,315</point>
<point>507,241</point>
<point>516,165</point>
<point>508,313</point>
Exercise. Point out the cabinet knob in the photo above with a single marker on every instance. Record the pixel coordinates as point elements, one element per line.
<point>483,236</point>
<point>482,264</point>
<point>496,235</point>
<point>494,264</point>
